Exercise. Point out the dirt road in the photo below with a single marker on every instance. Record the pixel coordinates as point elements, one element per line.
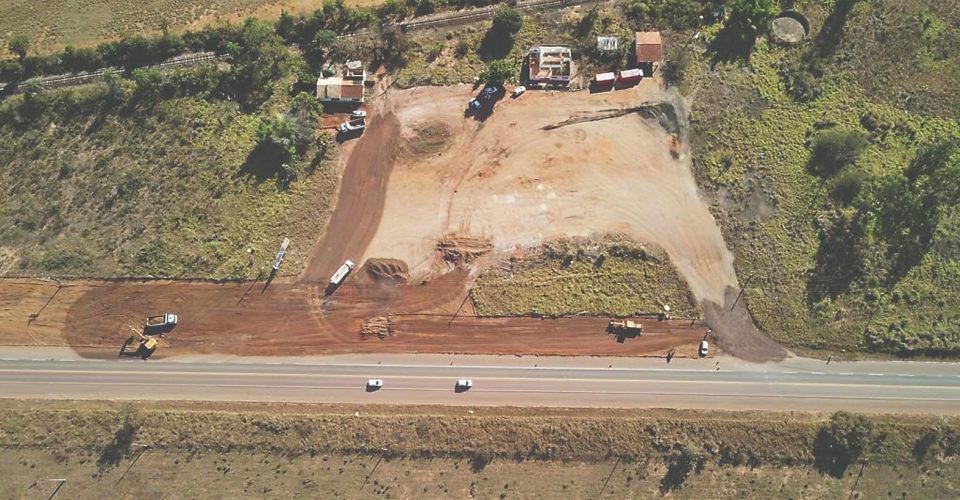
<point>295,319</point>
<point>360,202</point>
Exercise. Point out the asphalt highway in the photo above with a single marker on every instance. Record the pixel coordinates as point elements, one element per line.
<point>499,381</point>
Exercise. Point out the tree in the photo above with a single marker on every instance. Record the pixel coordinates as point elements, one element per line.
<point>34,99</point>
<point>834,149</point>
<point>841,441</point>
<point>507,21</point>
<point>285,25</point>
<point>499,71</point>
<point>498,40</point>
<point>10,71</point>
<point>19,45</point>
<point>305,112</point>
<point>752,17</point>
<point>748,19</point>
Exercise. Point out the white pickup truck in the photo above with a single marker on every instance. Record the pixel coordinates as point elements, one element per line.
<point>167,320</point>
<point>353,125</point>
<point>341,273</point>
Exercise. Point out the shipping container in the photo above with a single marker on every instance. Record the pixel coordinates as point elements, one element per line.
<point>630,75</point>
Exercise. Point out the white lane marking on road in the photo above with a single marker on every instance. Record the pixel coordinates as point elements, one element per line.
<point>529,391</point>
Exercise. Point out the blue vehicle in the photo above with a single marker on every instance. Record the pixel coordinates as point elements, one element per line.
<point>489,92</point>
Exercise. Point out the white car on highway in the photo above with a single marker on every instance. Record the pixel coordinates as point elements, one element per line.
<point>464,384</point>
<point>374,384</point>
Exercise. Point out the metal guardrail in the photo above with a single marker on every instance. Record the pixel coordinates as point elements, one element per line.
<point>83,78</point>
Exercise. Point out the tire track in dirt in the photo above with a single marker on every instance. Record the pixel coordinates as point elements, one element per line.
<point>363,190</point>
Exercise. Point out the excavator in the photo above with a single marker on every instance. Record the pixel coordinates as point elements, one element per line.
<point>148,344</point>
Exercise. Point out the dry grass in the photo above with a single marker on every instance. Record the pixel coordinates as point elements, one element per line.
<point>430,431</point>
<point>55,23</point>
<point>246,475</point>
<point>613,276</point>
<point>284,450</point>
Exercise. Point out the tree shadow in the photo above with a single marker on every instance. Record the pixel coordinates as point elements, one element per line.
<point>119,446</point>
<point>831,34</point>
<point>840,258</point>
<point>731,44</point>
<point>495,45</point>
<point>262,164</point>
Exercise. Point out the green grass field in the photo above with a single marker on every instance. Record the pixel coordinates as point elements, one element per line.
<point>613,277</point>
<point>164,191</point>
<point>225,449</point>
<point>751,155</point>
<point>65,22</point>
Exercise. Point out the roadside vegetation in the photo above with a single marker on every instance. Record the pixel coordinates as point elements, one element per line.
<point>258,450</point>
<point>177,173</point>
<point>612,276</point>
<point>838,193</point>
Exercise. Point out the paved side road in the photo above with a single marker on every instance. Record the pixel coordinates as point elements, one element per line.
<point>796,384</point>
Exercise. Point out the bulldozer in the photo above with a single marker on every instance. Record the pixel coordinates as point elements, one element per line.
<point>147,345</point>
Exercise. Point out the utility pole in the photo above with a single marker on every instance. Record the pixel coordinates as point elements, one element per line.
<point>609,476</point>
<point>58,488</point>
<point>374,469</point>
<point>863,465</point>
<point>742,287</point>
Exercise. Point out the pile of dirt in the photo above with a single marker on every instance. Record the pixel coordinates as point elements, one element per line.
<point>390,270</point>
<point>459,250</point>
<point>378,326</point>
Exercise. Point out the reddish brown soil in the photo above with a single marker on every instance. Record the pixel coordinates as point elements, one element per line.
<point>298,319</point>
<point>363,190</point>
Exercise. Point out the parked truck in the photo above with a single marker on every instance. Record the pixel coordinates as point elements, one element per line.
<point>353,125</point>
<point>168,320</point>
<point>341,273</point>
<point>625,327</point>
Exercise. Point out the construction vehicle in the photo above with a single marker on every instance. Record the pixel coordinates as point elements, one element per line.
<point>625,327</point>
<point>148,344</point>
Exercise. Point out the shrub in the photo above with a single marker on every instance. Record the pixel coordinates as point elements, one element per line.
<point>499,71</point>
<point>841,441</point>
<point>834,149</point>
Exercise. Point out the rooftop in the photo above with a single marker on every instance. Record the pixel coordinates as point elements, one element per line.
<point>649,46</point>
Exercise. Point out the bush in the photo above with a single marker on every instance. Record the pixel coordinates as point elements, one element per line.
<point>499,71</point>
<point>841,441</point>
<point>834,149</point>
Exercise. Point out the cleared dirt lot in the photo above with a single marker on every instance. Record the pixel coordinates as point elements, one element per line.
<point>543,166</point>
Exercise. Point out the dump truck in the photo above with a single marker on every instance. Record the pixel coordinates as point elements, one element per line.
<point>625,326</point>
<point>168,320</point>
<point>341,273</point>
